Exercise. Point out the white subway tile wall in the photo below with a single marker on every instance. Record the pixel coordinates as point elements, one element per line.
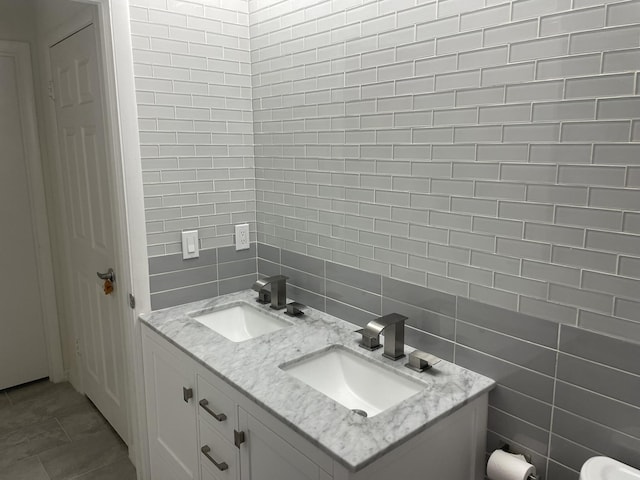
<point>483,148</point>
<point>193,80</point>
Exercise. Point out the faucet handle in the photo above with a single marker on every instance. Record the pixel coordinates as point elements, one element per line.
<point>264,297</point>
<point>295,309</point>
<point>421,361</point>
<point>368,341</point>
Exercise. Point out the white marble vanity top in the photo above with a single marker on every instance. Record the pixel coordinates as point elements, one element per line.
<point>252,367</point>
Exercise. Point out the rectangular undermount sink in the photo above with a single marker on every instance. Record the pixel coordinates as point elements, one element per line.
<point>353,381</point>
<point>240,322</point>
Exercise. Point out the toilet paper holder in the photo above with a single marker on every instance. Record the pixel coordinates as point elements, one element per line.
<point>505,447</point>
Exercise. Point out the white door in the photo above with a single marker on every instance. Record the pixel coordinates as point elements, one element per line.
<point>23,353</point>
<point>85,179</point>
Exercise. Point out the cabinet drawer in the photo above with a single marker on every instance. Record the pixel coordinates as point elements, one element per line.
<point>214,448</point>
<point>217,409</point>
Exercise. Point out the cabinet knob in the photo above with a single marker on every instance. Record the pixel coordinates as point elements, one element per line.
<point>187,394</point>
<point>222,466</point>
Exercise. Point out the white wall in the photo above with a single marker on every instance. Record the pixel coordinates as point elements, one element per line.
<point>17,20</point>
<point>18,23</point>
<point>50,14</point>
<point>22,318</point>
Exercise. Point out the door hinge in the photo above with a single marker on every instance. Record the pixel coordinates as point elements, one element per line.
<point>132,301</point>
<point>187,394</point>
<point>78,352</point>
<point>238,438</point>
<point>51,90</point>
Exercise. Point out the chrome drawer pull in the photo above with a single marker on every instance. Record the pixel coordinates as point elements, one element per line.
<point>222,466</point>
<point>204,403</point>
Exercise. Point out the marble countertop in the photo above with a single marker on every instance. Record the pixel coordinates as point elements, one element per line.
<point>252,367</point>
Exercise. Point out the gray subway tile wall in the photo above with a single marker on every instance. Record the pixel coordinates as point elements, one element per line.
<point>192,65</point>
<point>469,138</point>
<point>564,393</point>
<point>218,271</point>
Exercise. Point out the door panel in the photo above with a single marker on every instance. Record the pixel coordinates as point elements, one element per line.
<point>87,310</point>
<point>84,179</point>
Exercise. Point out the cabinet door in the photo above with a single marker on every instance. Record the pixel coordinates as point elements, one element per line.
<point>171,419</point>
<point>266,456</point>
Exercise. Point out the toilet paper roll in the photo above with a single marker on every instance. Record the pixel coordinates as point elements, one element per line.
<point>507,466</point>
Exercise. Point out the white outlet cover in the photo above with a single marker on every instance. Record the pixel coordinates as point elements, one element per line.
<point>242,237</point>
<point>190,247</point>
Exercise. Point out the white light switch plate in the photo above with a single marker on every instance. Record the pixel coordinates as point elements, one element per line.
<point>242,236</point>
<point>190,247</point>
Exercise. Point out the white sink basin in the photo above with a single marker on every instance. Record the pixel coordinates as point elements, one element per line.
<point>240,322</point>
<point>353,381</point>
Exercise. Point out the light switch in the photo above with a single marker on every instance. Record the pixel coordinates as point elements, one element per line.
<point>190,244</point>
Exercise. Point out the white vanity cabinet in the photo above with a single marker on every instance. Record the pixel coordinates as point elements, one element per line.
<point>213,432</point>
<point>170,382</point>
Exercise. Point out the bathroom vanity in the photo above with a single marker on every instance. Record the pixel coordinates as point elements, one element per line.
<point>236,390</point>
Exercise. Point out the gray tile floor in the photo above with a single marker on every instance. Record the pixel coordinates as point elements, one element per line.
<point>50,432</point>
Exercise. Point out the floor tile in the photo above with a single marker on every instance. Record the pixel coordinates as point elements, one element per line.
<point>59,397</point>
<point>121,469</point>
<point>30,390</point>
<point>28,469</point>
<point>82,421</point>
<point>16,417</point>
<point>82,456</point>
<point>43,405</point>
<point>30,441</point>
<point>12,451</point>
<point>50,431</point>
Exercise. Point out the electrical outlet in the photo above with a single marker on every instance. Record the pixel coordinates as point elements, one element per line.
<point>242,236</point>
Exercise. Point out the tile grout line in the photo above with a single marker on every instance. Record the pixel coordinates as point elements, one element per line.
<point>95,469</point>
<point>42,466</point>
<point>63,429</point>
<point>553,399</point>
<point>596,422</point>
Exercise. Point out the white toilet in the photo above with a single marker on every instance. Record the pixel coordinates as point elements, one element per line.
<point>605,468</point>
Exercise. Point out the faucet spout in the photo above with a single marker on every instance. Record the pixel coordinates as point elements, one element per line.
<point>277,293</point>
<point>393,327</point>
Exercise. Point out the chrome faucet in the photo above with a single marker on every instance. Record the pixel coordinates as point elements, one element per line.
<point>393,327</point>
<point>277,294</point>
